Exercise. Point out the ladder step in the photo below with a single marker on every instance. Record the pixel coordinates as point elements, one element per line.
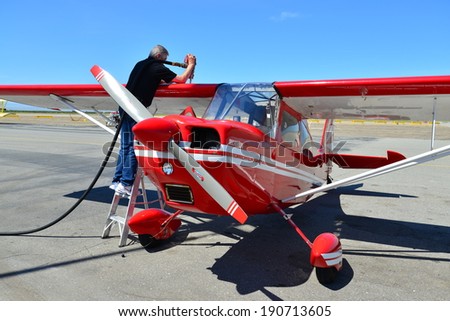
<point>113,218</point>
<point>137,190</point>
<point>117,218</point>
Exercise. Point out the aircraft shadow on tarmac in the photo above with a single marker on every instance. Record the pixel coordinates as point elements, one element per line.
<point>273,255</point>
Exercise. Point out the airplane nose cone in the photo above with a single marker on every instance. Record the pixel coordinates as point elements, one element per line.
<point>155,133</point>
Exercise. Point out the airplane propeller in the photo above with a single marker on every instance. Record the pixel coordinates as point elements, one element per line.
<point>204,179</point>
<point>122,96</point>
<point>142,131</point>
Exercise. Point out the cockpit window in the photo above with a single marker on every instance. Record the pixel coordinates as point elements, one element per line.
<point>290,129</point>
<point>252,103</point>
<point>295,131</point>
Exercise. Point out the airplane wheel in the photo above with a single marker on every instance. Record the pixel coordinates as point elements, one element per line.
<point>326,275</point>
<point>147,240</point>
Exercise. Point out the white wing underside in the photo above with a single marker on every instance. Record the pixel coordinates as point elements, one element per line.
<point>413,108</point>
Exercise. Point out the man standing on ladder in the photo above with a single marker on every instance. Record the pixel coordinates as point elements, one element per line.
<point>143,82</point>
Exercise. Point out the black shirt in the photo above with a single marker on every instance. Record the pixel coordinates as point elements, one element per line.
<point>145,78</point>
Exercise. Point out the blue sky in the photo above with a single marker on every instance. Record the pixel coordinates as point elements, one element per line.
<point>57,42</point>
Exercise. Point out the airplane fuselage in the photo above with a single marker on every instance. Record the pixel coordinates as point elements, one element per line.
<point>254,168</point>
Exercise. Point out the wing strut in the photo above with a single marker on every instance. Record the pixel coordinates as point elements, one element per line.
<point>405,163</point>
<point>82,113</point>
<point>433,129</point>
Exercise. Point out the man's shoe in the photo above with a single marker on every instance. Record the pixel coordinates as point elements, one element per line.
<point>122,190</point>
<point>114,185</point>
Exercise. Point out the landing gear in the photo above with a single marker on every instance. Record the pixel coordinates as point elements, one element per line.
<point>154,225</point>
<point>326,252</point>
<point>329,179</point>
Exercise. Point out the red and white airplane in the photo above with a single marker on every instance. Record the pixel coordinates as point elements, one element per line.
<point>251,152</point>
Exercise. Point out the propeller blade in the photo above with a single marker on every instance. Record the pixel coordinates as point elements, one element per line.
<point>138,112</point>
<point>121,95</point>
<point>213,187</point>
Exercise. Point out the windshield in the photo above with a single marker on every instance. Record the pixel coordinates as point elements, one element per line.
<point>251,103</point>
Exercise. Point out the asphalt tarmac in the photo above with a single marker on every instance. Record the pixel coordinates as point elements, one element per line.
<point>395,229</point>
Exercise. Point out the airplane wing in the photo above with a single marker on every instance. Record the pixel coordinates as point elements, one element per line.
<point>405,98</point>
<point>169,99</point>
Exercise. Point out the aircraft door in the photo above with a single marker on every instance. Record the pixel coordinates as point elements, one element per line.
<point>290,131</point>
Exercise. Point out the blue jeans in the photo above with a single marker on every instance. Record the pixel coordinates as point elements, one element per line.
<point>126,163</point>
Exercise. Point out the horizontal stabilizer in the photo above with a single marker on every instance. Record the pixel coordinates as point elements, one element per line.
<point>360,161</point>
<point>401,164</point>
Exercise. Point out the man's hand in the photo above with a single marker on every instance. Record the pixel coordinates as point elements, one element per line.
<point>190,59</point>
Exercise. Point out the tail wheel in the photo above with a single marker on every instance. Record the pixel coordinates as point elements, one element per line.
<point>326,275</point>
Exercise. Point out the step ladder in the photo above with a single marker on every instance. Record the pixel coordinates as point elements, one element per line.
<point>122,221</point>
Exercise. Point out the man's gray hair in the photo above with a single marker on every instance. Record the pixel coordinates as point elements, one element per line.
<point>158,50</point>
